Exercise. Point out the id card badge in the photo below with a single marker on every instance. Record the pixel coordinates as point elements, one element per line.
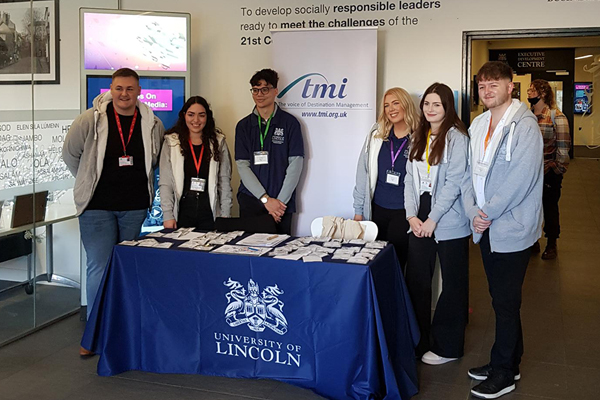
<point>426,185</point>
<point>126,161</point>
<point>392,177</point>
<point>261,157</point>
<point>198,184</point>
<point>481,168</point>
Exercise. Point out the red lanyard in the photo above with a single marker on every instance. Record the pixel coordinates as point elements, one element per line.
<point>197,162</point>
<point>130,129</point>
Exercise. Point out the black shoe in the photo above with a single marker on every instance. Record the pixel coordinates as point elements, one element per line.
<point>482,373</point>
<point>550,253</point>
<point>494,386</point>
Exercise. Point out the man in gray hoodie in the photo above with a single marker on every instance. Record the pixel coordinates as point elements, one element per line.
<point>112,150</point>
<point>503,200</point>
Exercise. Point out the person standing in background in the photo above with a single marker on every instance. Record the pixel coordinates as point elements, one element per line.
<point>557,142</point>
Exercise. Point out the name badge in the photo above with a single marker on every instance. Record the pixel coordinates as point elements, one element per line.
<point>261,157</point>
<point>392,177</point>
<point>126,161</point>
<point>426,185</point>
<point>198,184</point>
<point>481,168</point>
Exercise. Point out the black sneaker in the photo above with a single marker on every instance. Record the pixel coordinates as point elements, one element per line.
<point>482,373</point>
<point>494,386</point>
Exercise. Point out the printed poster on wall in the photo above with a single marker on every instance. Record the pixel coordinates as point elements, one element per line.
<point>328,81</point>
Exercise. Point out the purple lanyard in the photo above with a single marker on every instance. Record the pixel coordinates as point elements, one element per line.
<point>395,156</point>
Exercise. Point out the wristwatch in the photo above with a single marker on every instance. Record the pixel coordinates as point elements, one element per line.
<point>264,198</point>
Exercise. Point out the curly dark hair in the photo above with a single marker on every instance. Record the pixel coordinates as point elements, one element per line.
<point>209,133</point>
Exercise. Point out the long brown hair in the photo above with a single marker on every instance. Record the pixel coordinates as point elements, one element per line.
<point>419,139</point>
<point>209,133</point>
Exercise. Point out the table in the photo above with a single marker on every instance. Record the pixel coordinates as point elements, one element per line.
<point>55,213</point>
<point>342,330</point>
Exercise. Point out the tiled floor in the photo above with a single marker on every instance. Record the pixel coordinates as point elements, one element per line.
<point>561,322</point>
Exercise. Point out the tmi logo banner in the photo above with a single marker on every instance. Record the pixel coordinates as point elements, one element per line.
<point>317,89</point>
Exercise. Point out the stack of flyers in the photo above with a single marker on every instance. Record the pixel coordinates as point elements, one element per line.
<point>280,251</point>
<point>178,234</point>
<point>378,244</point>
<point>345,253</point>
<point>147,243</point>
<point>312,258</point>
<point>355,241</point>
<point>129,242</point>
<point>155,234</point>
<point>197,244</point>
<point>320,239</point>
<point>370,251</point>
<point>358,259</point>
<point>219,241</point>
<point>304,239</point>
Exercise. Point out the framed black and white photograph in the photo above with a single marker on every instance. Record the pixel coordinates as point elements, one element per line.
<point>29,42</point>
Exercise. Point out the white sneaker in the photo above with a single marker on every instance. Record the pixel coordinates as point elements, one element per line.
<point>433,359</point>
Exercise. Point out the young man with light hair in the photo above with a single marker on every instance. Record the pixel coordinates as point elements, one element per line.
<point>503,199</point>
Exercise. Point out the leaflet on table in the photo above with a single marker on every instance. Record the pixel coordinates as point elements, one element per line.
<point>312,258</point>
<point>241,250</point>
<point>378,244</point>
<point>263,240</point>
<point>358,260</point>
<point>196,244</point>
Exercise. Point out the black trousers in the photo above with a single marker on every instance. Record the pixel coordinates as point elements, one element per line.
<point>195,212</point>
<point>505,274</point>
<point>550,198</point>
<point>393,227</point>
<point>250,206</point>
<point>445,335</point>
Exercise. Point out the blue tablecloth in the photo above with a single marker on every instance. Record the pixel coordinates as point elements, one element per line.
<point>342,330</point>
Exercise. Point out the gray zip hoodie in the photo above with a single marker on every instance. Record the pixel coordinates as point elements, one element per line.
<point>366,174</point>
<point>172,178</point>
<point>85,146</point>
<point>513,185</point>
<point>446,201</point>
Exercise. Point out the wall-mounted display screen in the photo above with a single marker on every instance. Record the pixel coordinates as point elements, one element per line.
<point>583,98</point>
<point>164,95</point>
<point>143,42</point>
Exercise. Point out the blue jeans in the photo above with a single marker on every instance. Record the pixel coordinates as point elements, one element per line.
<point>100,231</point>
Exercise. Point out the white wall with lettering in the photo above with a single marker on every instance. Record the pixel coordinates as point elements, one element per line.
<point>419,42</point>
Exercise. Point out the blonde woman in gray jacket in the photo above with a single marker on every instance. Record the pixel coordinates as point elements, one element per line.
<point>379,190</point>
<point>439,226</point>
<point>195,170</point>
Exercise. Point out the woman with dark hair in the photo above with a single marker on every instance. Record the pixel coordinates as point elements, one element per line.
<point>195,170</point>
<point>379,189</point>
<point>439,227</point>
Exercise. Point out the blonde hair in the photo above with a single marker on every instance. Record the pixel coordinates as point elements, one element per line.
<point>411,116</point>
